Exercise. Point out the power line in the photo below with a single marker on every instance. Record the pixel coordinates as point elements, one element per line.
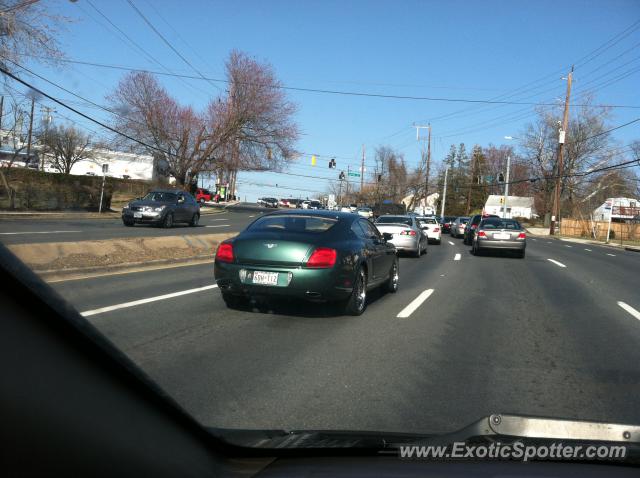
<point>168,43</point>
<point>341,92</point>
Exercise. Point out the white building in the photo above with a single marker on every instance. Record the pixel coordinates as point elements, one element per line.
<point>517,206</point>
<point>119,164</point>
<point>623,208</point>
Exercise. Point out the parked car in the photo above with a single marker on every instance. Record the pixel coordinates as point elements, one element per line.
<point>471,227</point>
<point>405,232</point>
<point>162,207</point>
<point>445,223</point>
<point>502,234</point>
<point>345,209</point>
<point>431,228</point>
<point>365,212</point>
<point>458,225</point>
<point>315,205</point>
<point>283,203</point>
<point>305,204</point>
<point>314,255</point>
<point>295,203</point>
<point>203,195</point>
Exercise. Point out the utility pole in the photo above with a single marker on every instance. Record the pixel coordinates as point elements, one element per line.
<point>362,170</point>
<point>33,102</point>
<point>1,113</point>
<point>473,175</point>
<point>444,192</point>
<point>428,161</point>
<point>506,186</point>
<point>555,215</point>
<point>47,121</point>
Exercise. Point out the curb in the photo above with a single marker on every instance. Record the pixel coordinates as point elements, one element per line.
<point>593,243</point>
<point>140,266</point>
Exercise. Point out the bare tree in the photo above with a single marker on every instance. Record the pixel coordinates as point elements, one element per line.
<point>15,120</point>
<point>27,29</point>
<point>251,128</point>
<point>67,146</point>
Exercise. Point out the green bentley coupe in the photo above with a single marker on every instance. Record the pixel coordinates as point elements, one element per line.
<point>315,255</point>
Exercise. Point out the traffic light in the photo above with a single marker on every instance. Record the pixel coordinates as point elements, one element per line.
<point>342,176</point>
<point>332,163</point>
<point>501,178</point>
<point>501,200</point>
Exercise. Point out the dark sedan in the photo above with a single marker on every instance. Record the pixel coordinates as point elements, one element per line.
<point>445,223</point>
<point>314,255</point>
<point>164,208</point>
<point>499,234</point>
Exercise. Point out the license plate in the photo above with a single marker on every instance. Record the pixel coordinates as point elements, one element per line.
<point>501,235</point>
<point>265,278</point>
<point>137,214</point>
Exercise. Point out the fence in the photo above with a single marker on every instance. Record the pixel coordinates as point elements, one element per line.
<point>628,232</point>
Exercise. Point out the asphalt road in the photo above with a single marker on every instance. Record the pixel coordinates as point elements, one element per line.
<point>69,229</point>
<point>496,334</point>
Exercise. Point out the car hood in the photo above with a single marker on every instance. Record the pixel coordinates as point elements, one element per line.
<point>140,202</point>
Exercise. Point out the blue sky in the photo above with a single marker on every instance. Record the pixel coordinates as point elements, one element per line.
<point>446,49</point>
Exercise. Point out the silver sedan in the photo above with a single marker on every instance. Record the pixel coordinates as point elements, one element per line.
<point>406,233</point>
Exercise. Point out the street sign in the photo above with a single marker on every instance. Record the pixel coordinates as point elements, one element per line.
<point>357,175</point>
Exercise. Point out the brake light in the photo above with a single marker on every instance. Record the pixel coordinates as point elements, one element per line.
<point>481,234</point>
<point>522,235</point>
<point>224,252</point>
<point>408,233</point>
<point>473,226</point>
<point>436,229</point>
<point>322,258</point>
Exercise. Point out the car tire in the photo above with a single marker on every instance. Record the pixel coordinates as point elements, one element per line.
<point>357,301</point>
<point>194,220</point>
<point>394,276</point>
<point>128,223</point>
<point>418,252</point>
<point>520,254</point>
<point>438,242</point>
<point>167,222</point>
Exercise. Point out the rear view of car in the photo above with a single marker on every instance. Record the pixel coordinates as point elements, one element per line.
<point>499,234</point>
<point>406,233</point>
<point>431,228</point>
<point>458,225</point>
<point>365,212</point>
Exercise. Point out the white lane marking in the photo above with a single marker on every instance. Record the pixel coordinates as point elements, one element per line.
<point>102,310</point>
<point>219,225</point>
<point>533,239</point>
<point>612,255</point>
<point>629,309</point>
<point>567,245</point>
<point>222,219</point>
<point>587,249</point>
<point>415,303</point>
<point>35,232</point>
<point>557,263</point>
<point>457,257</point>
<point>549,242</point>
<point>253,215</point>
<point>452,243</point>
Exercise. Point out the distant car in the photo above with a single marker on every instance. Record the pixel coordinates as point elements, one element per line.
<point>315,205</point>
<point>365,212</point>
<point>431,227</point>
<point>295,203</point>
<point>162,207</point>
<point>203,195</point>
<point>499,234</point>
<point>472,225</point>
<point>268,202</point>
<point>445,223</point>
<point>345,209</point>
<point>314,255</point>
<point>406,233</point>
<point>305,204</point>
<point>458,225</point>
<point>283,203</point>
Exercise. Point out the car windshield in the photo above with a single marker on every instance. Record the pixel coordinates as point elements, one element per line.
<point>293,223</point>
<point>374,307</point>
<point>160,197</point>
<point>394,220</point>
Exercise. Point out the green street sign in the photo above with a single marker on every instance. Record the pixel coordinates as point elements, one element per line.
<point>357,175</point>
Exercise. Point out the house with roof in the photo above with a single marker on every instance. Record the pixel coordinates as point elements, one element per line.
<point>517,206</point>
<point>618,209</point>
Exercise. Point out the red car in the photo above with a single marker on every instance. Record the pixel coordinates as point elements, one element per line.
<point>203,195</point>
